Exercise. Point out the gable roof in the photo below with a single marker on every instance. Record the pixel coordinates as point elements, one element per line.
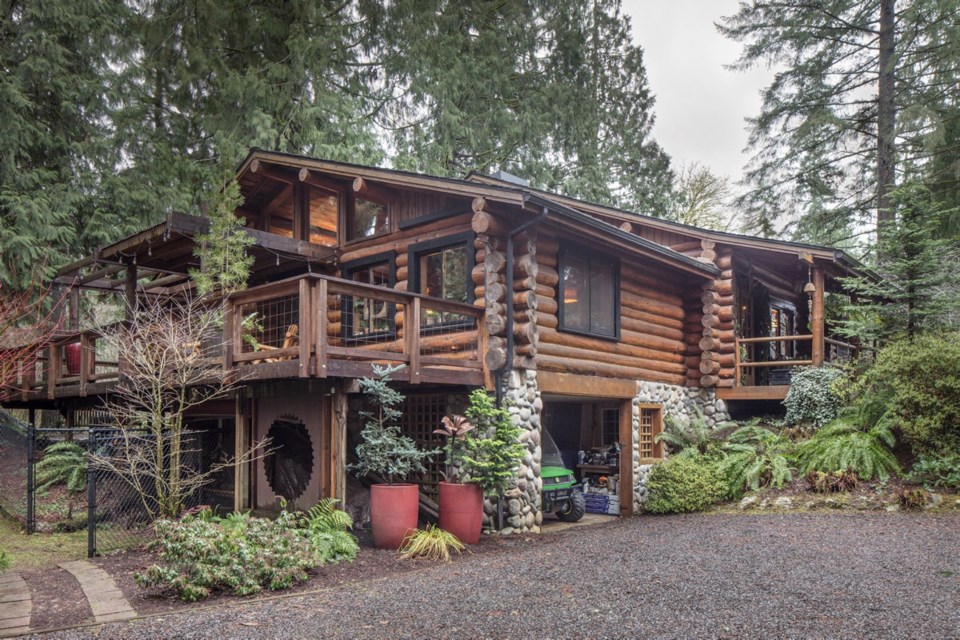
<point>508,193</point>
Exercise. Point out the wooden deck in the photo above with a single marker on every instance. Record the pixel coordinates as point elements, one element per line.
<point>311,326</point>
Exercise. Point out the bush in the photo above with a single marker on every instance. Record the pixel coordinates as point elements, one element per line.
<point>941,472</point>
<point>919,382</point>
<point>242,554</point>
<point>754,458</point>
<point>849,444</point>
<point>684,483</point>
<point>815,396</point>
<point>4,560</point>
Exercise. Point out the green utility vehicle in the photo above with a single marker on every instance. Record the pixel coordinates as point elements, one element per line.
<point>561,493</point>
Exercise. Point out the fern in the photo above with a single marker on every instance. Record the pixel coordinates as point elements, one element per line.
<point>755,457</point>
<point>327,528</point>
<point>846,443</point>
<point>687,434</point>
<point>63,463</point>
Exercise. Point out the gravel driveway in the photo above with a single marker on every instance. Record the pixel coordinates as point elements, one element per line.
<point>824,576</point>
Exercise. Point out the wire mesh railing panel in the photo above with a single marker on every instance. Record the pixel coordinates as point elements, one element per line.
<point>13,467</point>
<point>450,335</point>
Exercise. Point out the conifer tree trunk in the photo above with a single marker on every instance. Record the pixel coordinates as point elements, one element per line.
<point>886,118</point>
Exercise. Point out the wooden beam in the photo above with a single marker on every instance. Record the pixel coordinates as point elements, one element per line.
<point>775,392</point>
<point>571,384</point>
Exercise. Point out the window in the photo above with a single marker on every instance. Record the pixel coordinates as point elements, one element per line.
<point>370,218</point>
<point>609,426</point>
<point>651,424</point>
<point>782,323</point>
<point>441,269</point>
<point>322,207</point>
<point>364,317</point>
<point>589,293</point>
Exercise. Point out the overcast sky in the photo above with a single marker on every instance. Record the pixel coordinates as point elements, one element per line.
<point>701,106</point>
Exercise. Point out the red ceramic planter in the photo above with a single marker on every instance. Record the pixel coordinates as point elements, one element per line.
<point>461,511</point>
<point>393,513</point>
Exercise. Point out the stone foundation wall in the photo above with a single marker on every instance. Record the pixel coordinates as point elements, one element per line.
<point>522,501</point>
<point>680,403</point>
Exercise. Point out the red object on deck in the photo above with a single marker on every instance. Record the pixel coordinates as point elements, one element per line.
<point>461,511</point>
<point>393,513</point>
<point>72,356</point>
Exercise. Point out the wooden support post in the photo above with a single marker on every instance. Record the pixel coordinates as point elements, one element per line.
<point>736,363</point>
<point>306,327</point>
<point>816,318</point>
<point>241,471</point>
<point>53,370</point>
<point>130,290</point>
<point>74,322</point>
<point>320,296</point>
<point>412,327</point>
<point>338,424</point>
<point>87,359</point>
<point>627,447</point>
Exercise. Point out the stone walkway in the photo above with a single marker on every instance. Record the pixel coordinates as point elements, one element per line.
<point>15,605</point>
<point>106,600</point>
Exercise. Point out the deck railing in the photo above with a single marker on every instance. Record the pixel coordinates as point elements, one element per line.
<point>835,351</point>
<point>320,326</point>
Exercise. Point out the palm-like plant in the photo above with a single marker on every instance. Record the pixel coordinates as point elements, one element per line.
<point>755,457</point>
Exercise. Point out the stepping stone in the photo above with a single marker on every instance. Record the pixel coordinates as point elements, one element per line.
<point>15,605</point>
<point>106,600</point>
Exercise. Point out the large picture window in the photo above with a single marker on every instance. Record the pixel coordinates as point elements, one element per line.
<point>589,293</point>
<point>364,317</point>
<point>441,269</point>
<point>369,218</point>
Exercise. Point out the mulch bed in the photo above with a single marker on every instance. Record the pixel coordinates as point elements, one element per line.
<point>58,600</point>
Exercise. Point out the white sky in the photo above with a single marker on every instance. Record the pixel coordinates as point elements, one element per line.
<point>700,106</point>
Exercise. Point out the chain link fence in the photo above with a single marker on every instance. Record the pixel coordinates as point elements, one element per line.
<point>70,479</point>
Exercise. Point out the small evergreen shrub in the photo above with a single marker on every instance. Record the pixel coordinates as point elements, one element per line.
<point>755,457</point>
<point>684,483</point>
<point>919,382</point>
<point>815,396</point>
<point>495,452</point>
<point>942,472</point>
<point>432,543</point>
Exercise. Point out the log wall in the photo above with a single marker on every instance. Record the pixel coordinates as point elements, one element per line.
<point>652,342</point>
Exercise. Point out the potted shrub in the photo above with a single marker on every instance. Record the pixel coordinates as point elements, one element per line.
<point>390,457</point>
<point>461,504</point>
<point>495,452</point>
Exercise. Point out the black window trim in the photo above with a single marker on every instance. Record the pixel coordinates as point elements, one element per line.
<point>592,256</point>
<point>414,251</point>
<point>347,270</point>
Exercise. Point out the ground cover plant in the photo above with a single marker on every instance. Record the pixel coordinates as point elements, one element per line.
<point>242,554</point>
<point>936,472</point>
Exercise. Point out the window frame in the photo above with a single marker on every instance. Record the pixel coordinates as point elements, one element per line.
<point>591,256</point>
<point>350,212</point>
<point>347,269</point>
<point>419,249</point>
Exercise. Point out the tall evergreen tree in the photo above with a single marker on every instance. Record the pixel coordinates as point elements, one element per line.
<point>857,98</point>
<point>54,140</point>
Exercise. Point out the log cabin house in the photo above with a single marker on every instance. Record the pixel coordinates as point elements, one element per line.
<point>586,320</point>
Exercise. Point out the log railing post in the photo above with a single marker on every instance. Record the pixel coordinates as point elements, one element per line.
<point>321,296</point>
<point>736,363</point>
<point>306,312</point>
<point>87,357</point>
<point>816,318</point>
<point>53,370</point>
<point>412,343</point>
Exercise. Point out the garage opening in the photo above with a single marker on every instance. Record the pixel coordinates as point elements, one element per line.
<point>594,441</point>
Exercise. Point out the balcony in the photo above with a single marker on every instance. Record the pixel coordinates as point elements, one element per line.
<point>311,326</point>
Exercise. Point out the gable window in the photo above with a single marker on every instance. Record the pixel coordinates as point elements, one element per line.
<point>364,317</point>
<point>589,293</point>
<point>322,207</point>
<point>369,218</point>
<point>441,269</point>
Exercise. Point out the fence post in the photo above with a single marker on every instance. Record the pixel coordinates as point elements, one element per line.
<point>91,495</point>
<point>31,447</point>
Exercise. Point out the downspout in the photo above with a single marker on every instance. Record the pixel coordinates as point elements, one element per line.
<point>508,365</point>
